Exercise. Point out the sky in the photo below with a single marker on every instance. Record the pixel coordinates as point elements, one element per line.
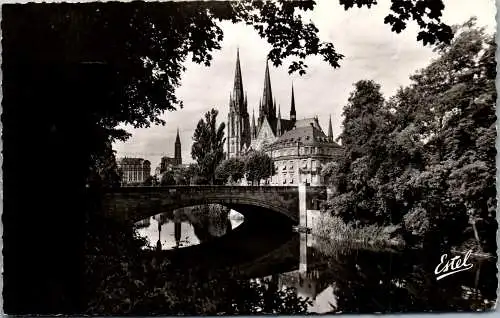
<point>370,49</point>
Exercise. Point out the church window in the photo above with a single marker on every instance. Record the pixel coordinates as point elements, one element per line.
<point>232,125</point>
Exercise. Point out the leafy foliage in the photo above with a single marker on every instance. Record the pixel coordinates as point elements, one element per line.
<point>104,171</point>
<point>167,178</point>
<point>258,166</point>
<point>208,145</point>
<point>427,14</point>
<point>425,158</point>
<point>230,170</point>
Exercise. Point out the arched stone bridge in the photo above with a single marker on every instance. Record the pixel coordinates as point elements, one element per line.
<point>137,203</point>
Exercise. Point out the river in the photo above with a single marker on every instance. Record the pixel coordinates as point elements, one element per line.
<point>267,267</point>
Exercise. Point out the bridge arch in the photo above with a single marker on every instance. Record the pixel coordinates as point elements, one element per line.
<point>136,203</point>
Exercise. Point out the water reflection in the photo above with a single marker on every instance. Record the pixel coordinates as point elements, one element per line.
<point>263,267</point>
<point>353,280</point>
<point>186,227</point>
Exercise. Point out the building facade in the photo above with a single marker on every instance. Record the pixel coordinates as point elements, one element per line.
<point>134,170</point>
<point>299,154</point>
<point>299,148</point>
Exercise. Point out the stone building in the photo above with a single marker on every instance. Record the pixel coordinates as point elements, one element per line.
<point>298,148</point>
<point>134,170</point>
<point>299,154</point>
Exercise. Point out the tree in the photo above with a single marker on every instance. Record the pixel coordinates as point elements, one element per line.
<point>230,170</point>
<point>361,117</point>
<point>149,181</point>
<point>258,166</point>
<point>194,176</point>
<point>105,171</point>
<point>181,176</point>
<point>427,152</point>
<point>167,178</point>
<point>208,145</point>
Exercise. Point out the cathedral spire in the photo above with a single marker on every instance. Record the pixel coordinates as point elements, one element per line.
<point>274,108</point>
<point>177,153</point>
<point>278,125</point>
<point>293,114</point>
<point>245,103</point>
<point>330,130</point>
<point>267,96</point>
<point>238,84</point>
<point>253,129</point>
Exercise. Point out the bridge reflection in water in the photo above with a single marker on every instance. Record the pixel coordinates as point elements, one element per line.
<point>178,230</point>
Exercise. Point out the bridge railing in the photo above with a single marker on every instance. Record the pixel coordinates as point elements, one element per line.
<point>214,189</point>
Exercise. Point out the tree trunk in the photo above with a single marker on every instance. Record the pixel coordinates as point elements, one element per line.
<point>476,234</point>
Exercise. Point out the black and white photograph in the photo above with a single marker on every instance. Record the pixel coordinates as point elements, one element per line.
<point>225,158</point>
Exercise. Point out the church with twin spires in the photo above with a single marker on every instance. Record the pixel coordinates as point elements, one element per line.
<point>298,148</point>
<point>244,135</point>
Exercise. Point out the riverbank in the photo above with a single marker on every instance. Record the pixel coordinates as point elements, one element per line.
<point>334,229</point>
<point>477,254</point>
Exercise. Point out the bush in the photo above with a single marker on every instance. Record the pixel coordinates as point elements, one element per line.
<point>417,222</point>
<point>334,228</point>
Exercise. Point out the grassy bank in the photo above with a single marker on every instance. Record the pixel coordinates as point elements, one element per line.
<point>333,228</point>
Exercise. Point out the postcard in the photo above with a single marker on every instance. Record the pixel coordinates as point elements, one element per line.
<point>249,157</point>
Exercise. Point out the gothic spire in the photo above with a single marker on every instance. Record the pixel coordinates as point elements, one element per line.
<point>267,96</point>
<point>253,129</point>
<point>177,153</point>
<point>278,125</point>
<point>238,84</point>
<point>177,138</point>
<point>293,114</point>
<point>330,130</point>
<point>274,107</point>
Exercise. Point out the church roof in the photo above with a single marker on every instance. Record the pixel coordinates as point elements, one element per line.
<point>306,122</point>
<point>306,131</point>
<point>286,124</point>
